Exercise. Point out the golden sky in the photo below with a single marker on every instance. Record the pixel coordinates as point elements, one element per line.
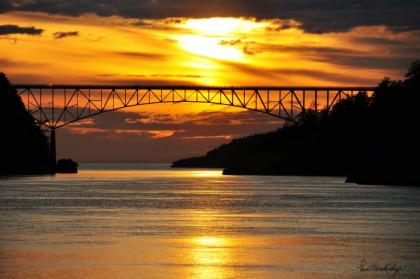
<point>39,47</point>
<point>209,51</point>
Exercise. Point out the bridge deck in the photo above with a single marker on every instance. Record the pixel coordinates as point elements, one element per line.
<point>188,87</point>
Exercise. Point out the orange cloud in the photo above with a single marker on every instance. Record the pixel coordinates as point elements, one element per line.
<point>224,137</point>
<point>86,131</point>
<point>153,134</point>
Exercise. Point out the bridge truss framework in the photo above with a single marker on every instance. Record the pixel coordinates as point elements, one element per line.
<point>55,106</point>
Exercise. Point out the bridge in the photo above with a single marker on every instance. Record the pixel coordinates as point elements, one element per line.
<point>55,106</point>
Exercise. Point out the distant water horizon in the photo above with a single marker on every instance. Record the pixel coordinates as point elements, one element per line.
<point>123,165</point>
<point>151,221</point>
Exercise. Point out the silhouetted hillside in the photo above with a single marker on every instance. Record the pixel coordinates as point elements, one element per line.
<point>311,147</point>
<point>372,140</point>
<point>23,147</point>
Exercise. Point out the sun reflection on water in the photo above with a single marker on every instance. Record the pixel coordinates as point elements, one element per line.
<point>206,173</point>
<point>211,257</point>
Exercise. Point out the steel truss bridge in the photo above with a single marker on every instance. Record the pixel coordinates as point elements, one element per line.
<point>55,106</point>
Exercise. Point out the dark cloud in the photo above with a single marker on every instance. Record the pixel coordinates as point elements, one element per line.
<point>141,79</point>
<point>394,58</point>
<point>6,63</point>
<point>396,55</point>
<point>252,48</point>
<point>61,35</point>
<point>142,55</point>
<point>366,62</point>
<point>9,63</point>
<point>176,76</point>
<point>10,29</point>
<point>162,24</point>
<point>230,42</point>
<point>327,77</point>
<point>27,77</point>
<point>5,6</point>
<point>316,15</point>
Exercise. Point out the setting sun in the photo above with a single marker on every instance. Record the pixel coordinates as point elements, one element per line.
<point>223,27</point>
<point>210,47</point>
<point>217,38</point>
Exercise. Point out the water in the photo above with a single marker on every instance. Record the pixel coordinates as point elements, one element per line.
<point>136,222</point>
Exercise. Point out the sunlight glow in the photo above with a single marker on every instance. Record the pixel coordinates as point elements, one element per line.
<point>212,241</point>
<point>209,34</point>
<point>210,257</point>
<point>223,26</point>
<point>210,47</point>
<point>206,173</point>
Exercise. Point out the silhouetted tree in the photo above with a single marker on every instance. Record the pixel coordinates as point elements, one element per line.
<point>372,139</point>
<point>413,74</point>
<point>23,147</point>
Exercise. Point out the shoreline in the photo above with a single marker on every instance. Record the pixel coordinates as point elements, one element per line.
<point>349,179</point>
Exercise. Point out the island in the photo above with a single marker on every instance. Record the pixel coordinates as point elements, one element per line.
<point>66,166</point>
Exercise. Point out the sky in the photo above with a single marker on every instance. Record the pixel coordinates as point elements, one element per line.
<point>186,42</point>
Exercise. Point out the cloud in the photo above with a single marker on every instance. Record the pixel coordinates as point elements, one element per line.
<point>88,122</point>
<point>316,15</point>
<point>61,35</point>
<point>319,75</point>
<point>141,55</point>
<point>153,134</point>
<point>230,42</point>
<point>350,58</point>
<point>155,76</point>
<point>145,80</point>
<point>18,3</point>
<point>87,131</point>
<point>324,75</point>
<point>161,24</point>
<point>176,76</point>
<point>223,137</point>
<point>10,29</point>
<point>8,63</point>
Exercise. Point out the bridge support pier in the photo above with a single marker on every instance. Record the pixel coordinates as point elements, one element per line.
<point>53,154</point>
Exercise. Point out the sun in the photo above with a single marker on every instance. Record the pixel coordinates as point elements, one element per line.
<point>209,47</point>
<point>206,37</point>
<point>218,26</point>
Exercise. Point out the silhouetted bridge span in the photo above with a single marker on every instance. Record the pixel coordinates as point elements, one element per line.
<point>55,106</point>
